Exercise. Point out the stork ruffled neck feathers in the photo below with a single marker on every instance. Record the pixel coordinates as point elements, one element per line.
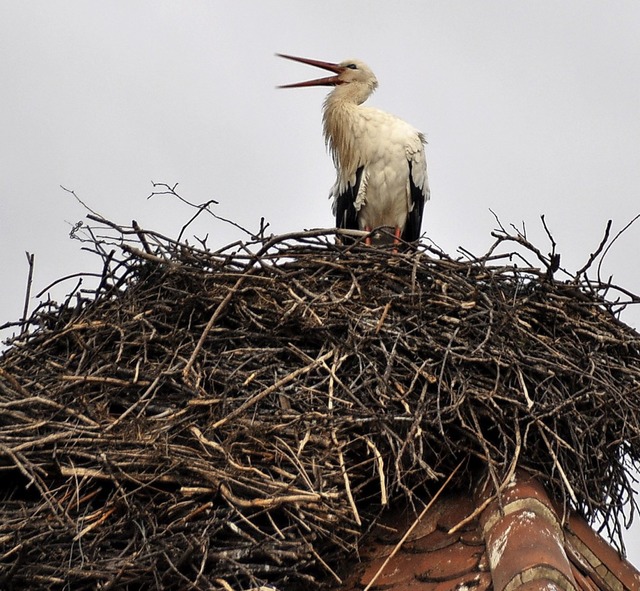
<point>356,84</point>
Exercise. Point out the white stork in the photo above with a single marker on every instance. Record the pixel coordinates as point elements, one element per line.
<point>380,162</point>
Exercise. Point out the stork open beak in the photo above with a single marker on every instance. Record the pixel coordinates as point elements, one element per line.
<point>328,81</point>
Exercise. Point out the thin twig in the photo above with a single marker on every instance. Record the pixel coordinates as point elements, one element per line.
<point>624,229</point>
<point>279,384</point>
<point>594,255</point>
<point>27,295</point>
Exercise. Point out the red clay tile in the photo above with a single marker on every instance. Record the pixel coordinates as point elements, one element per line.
<point>402,568</point>
<point>468,582</point>
<point>434,541</point>
<point>447,563</point>
<point>584,583</point>
<point>483,563</point>
<point>610,569</point>
<point>372,551</point>
<point>458,510</point>
<point>450,563</point>
<point>473,537</point>
<point>523,541</point>
<point>518,544</point>
<point>397,523</point>
<point>524,538</point>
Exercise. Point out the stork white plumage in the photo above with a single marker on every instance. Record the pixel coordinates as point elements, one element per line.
<point>380,161</point>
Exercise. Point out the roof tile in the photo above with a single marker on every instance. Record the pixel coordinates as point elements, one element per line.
<point>450,563</point>
<point>524,538</point>
<point>517,543</point>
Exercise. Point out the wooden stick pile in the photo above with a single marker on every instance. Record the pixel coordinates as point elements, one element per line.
<point>239,418</point>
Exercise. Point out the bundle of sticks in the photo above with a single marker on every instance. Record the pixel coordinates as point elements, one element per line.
<point>240,417</point>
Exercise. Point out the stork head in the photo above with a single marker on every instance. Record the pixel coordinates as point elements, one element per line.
<point>352,78</point>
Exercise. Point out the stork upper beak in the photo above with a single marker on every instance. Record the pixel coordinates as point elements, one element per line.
<point>328,81</point>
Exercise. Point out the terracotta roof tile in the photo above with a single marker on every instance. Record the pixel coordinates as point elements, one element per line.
<point>524,539</point>
<point>517,543</point>
<point>436,540</point>
<point>605,565</point>
<point>585,583</point>
<point>450,562</point>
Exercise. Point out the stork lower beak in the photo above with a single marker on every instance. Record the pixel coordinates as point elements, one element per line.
<point>328,81</point>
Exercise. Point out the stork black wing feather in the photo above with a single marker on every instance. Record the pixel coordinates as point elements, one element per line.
<point>346,214</point>
<point>412,228</point>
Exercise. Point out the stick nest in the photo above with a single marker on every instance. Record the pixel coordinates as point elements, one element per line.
<point>239,418</point>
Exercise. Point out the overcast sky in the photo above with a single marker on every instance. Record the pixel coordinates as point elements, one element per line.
<point>529,107</point>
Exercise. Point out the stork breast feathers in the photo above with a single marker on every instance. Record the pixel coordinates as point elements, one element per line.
<point>365,136</point>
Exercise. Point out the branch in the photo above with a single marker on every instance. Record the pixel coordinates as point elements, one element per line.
<point>594,254</point>
<point>27,296</point>
<point>604,254</point>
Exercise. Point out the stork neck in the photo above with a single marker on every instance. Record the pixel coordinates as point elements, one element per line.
<point>353,93</point>
<point>340,120</point>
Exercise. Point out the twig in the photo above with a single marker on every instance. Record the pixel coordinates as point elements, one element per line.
<point>27,295</point>
<point>143,239</point>
<point>214,317</point>
<point>345,477</point>
<point>604,254</point>
<point>594,254</point>
<point>80,201</point>
<point>384,500</point>
<point>279,384</point>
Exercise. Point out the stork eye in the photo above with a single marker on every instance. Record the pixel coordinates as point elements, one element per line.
<point>352,66</point>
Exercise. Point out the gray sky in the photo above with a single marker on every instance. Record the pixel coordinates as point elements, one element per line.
<point>529,107</point>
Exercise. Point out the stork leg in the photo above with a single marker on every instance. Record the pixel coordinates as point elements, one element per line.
<point>367,240</point>
<point>397,235</point>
